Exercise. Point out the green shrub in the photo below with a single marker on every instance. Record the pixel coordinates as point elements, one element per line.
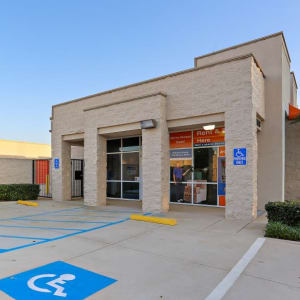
<point>16,192</point>
<point>285,212</point>
<point>279,230</point>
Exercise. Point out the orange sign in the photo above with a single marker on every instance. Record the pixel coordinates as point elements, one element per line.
<point>222,151</point>
<point>215,137</point>
<point>181,139</point>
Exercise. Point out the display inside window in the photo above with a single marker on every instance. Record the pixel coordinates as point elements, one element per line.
<point>205,164</point>
<point>197,167</point>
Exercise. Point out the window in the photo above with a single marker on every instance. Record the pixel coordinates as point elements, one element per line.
<point>197,167</point>
<point>123,168</point>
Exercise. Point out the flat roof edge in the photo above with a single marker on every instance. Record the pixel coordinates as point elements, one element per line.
<point>163,77</point>
<point>245,44</point>
<point>125,101</point>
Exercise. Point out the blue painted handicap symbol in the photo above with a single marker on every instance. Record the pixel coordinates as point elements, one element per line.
<point>239,156</point>
<point>57,280</point>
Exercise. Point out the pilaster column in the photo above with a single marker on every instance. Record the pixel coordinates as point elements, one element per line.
<point>241,180</point>
<point>155,160</point>
<point>94,168</point>
<point>61,177</point>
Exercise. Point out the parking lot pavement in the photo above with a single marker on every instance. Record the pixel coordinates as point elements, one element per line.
<point>142,260</point>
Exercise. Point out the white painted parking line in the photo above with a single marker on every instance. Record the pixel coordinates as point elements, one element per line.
<point>223,287</point>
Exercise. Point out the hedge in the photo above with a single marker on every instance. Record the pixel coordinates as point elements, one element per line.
<point>279,230</point>
<point>285,212</point>
<point>16,192</point>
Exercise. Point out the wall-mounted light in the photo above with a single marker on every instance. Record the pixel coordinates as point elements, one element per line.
<point>209,127</point>
<point>146,124</point>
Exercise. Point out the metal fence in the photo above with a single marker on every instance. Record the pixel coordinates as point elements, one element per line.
<point>42,171</point>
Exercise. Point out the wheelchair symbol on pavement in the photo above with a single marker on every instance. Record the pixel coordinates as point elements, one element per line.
<point>55,283</point>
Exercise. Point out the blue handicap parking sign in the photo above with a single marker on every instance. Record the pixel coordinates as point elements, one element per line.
<point>57,280</point>
<point>239,156</point>
<point>56,163</point>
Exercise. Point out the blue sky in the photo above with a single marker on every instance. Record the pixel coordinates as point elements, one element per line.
<point>58,50</point>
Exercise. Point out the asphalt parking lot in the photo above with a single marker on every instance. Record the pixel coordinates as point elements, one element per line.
<point>98,253</point>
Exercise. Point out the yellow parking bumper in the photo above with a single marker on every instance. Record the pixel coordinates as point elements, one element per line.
<point>158,220</point>
<point>29,203</point>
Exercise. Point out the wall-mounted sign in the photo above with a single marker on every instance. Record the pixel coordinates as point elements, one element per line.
<point>56,163</point>
<point>181,154</point>
<point>215,137</point>
<point>181,139</point>
<point>239,156</point>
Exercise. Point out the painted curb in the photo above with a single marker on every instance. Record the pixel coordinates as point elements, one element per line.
<point>158,220</point>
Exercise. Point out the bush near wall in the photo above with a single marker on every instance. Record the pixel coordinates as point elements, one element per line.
<point>285,212</point>
<point>16,192</point>
<point>279,230</point>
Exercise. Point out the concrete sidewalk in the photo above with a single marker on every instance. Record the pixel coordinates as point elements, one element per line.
<point>152,261</point>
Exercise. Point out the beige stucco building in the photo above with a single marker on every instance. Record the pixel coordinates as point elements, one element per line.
<point>149,141</point>
<point>16,160</point>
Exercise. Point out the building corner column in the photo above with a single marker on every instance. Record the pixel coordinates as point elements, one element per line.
<point>94,168</point>
<point>241,180</point>
<point>61,176</point>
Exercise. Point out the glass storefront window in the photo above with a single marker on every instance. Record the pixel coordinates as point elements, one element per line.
<point>113,146</point>
<point>197,167</point>
<point>205,164</point>
<point>205,193</point>
<point>123,168</point>
<point>114,189</point>
<point>131,144</point>
<point>181,192</point>
<point>131,190</point>
<point>130,166</point>
<point>113,166</point>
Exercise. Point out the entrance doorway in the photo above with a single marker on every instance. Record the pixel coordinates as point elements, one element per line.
<point>77,169</point>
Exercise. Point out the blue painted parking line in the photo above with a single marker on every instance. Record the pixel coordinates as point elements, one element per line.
<point>65,236</point>
<point>72,231</point>
<point>60,221</point>
<point>39,227</point>
<point>90,216</point>
<point>22,237</point>
<point>45,213</point>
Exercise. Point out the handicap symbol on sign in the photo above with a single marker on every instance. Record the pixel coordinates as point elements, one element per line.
<point>62,279</point>
<point>239,153</point>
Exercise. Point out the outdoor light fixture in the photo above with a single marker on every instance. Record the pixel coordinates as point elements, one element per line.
<point>209,127</point>
<point>146,124</point>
